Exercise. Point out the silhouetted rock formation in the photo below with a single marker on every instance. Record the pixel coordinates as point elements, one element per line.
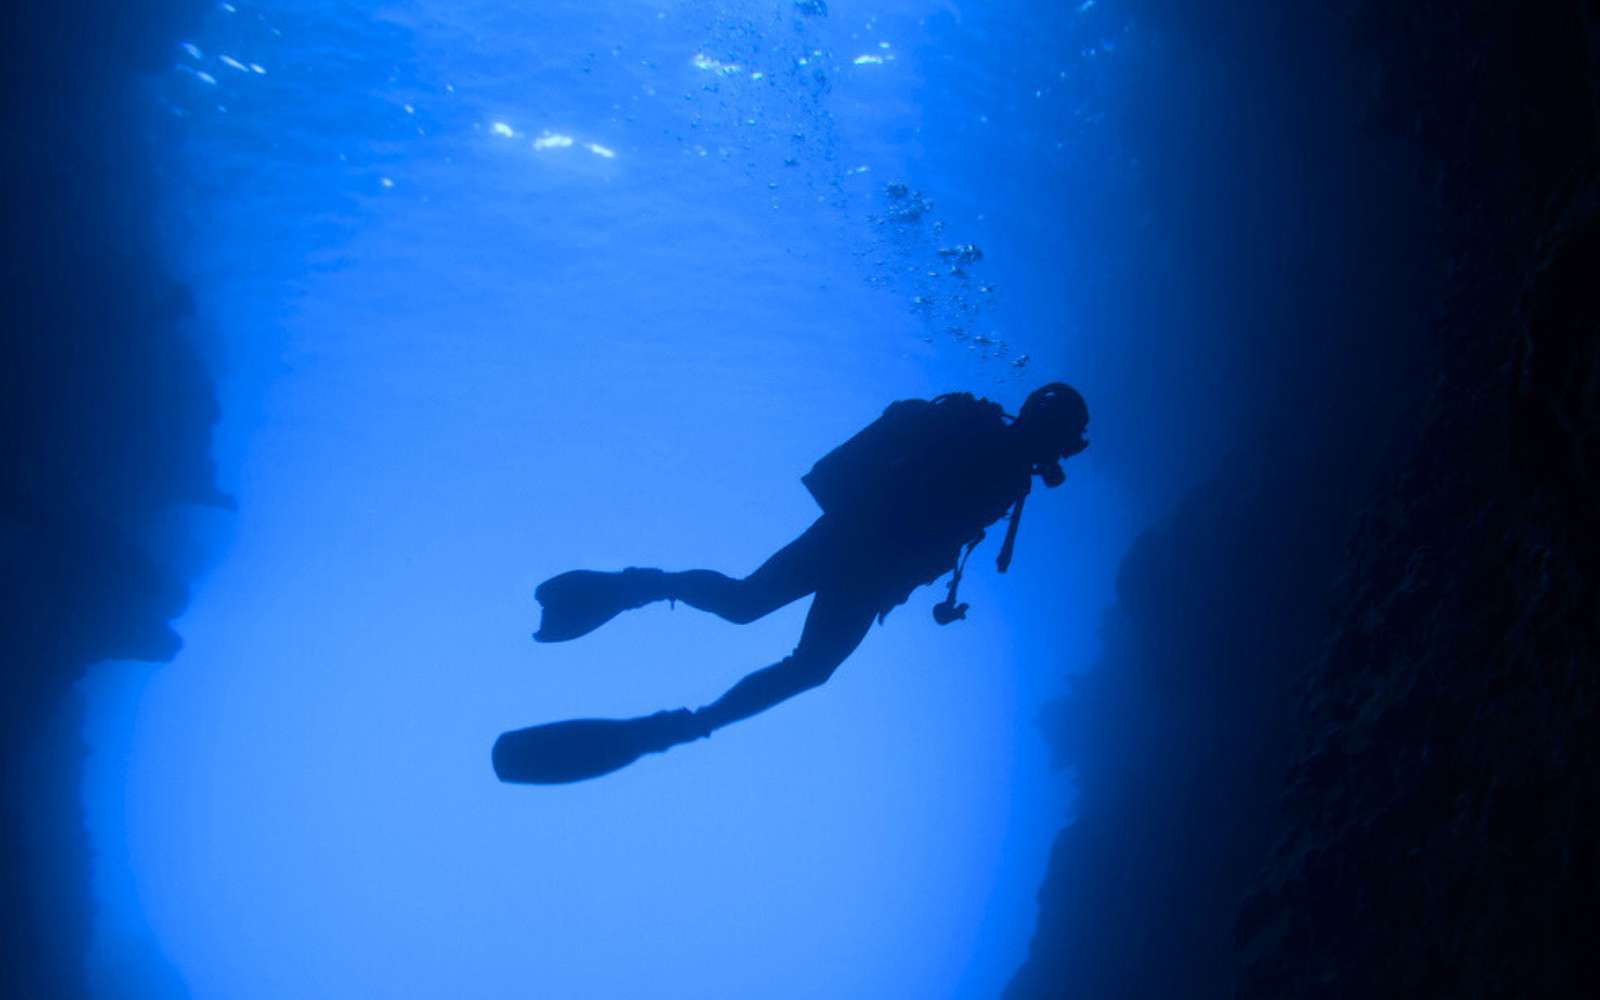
<point>1442,819</point>
<point>1173,735</point>
<point>1180,735</point>
<point>1438,838</point>
<point>105,416</point>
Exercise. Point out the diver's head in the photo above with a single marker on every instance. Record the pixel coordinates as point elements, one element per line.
<point>1051,424</point>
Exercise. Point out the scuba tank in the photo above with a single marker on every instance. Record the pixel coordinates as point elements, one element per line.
<point>883,468</point>
<point>879,465</point>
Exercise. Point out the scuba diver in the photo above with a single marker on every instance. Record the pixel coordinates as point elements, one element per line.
<point>903,502</point>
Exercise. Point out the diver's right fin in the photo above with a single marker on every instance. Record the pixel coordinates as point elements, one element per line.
<point>580,601</point>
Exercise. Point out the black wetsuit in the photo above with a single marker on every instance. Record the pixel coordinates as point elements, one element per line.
<point>861,565</point>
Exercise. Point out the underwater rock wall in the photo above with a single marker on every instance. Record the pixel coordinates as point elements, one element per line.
<point>1346,745</point>
<point>1173,736</point>
<point>1439,833</point>
<point>1179,736</point>
<point>105,418</point>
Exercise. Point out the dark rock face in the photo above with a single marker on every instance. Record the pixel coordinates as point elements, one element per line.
<point>1189,696</point>
<point>1414,639</point>
<point>105,417</point>
<point>1441,820</point>
<point>1181,733</point>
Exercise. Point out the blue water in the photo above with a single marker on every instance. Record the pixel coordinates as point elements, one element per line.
<point>494,291</point>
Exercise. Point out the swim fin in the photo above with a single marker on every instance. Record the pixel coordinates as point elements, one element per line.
<point>578,602</point>
<point>580,749</point>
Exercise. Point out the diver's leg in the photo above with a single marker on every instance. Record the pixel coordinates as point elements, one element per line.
<point>790,574</point>
<point>586,748</point>
<point>838,621</point>
<point>578,602</point>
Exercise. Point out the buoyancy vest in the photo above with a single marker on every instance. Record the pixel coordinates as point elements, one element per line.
<point>893,462</point>
<point>925,478</point>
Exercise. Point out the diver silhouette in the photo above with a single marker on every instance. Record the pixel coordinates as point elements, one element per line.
<point>904,502</point>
